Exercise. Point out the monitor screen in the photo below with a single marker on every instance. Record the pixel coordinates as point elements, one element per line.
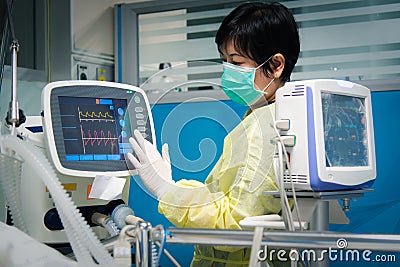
<point>345,130</point>
<point>93,128</point>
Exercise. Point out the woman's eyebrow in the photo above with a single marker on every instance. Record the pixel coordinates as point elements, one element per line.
<point>235,54</point>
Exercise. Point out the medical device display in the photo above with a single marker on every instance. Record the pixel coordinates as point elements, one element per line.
<point>88,125</point>
<point>331,121</point>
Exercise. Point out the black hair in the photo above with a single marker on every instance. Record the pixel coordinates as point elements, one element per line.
<point>259,31</point>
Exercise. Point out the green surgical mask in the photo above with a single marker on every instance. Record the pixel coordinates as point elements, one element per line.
<point>238,83</point>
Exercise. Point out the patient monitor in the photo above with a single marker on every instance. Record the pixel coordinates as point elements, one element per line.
<point>86,126</point>
<point>331,121</point>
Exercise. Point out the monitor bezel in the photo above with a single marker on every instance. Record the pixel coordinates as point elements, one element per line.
<point>340,175</point>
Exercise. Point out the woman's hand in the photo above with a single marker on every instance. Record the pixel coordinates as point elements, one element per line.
<point>154,169</point>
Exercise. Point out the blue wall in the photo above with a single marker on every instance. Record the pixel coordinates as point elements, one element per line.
<point>379,211</point>
<point>194,132</point>
<point>183,126</point>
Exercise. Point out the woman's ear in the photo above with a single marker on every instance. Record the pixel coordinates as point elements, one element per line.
<point>278,61</point>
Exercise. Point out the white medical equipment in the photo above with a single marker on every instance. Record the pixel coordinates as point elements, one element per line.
<point>85,131</point>
<point>329,124</point>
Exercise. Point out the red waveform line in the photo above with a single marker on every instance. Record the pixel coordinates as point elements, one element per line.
<point>98,138</point>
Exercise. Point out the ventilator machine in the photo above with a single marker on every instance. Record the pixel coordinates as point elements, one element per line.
<point>51,165</point>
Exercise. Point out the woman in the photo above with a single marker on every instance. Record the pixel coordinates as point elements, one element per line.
<point>259,44</point>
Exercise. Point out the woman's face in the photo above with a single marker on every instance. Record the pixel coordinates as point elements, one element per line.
<point>261,80</point>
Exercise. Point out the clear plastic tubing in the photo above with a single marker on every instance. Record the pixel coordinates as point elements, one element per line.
<point>10,179</point>
<point>83,241</point>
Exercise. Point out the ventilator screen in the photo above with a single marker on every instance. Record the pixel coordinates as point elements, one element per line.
<point>93,128</point>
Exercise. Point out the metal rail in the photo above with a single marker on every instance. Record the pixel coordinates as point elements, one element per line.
<point>284,239</point>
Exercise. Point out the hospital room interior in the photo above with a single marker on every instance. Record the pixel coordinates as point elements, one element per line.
<point>177,133</point>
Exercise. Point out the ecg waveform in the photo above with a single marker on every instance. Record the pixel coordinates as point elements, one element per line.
<point>99,138</point>
<point>99,116</point>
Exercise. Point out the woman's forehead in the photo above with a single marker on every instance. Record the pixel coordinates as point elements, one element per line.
<point>229,49</point>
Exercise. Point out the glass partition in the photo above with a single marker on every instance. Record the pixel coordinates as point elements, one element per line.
<point>351,40</point>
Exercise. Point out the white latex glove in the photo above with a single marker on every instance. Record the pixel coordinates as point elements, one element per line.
<point>154,169</point>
